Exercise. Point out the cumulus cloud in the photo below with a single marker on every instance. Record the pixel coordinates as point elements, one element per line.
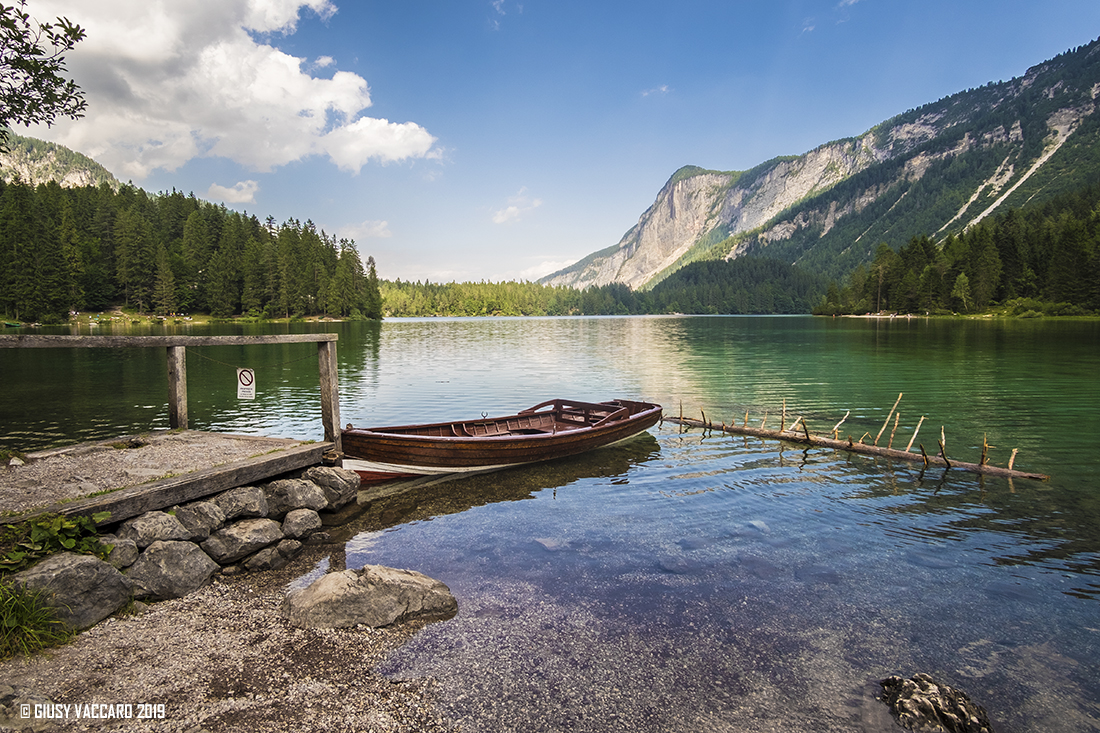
<point>366,230</point>
<point>168,82</point>
<point>244,192</point>
<point>518,206</point>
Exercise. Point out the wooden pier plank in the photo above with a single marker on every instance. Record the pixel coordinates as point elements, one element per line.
<point>133,501</point>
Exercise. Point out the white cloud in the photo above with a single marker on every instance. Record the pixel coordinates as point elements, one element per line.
<point>518,206</point>
<point>168,82</point>
<point>663,89</point>
<point>244,192</point>
<point>542,269</point>
<point>366,230</point>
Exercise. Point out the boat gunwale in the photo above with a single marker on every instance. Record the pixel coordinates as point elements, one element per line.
<point>384,432</point>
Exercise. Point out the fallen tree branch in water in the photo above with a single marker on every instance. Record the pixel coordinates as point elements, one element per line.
<point>862,448</point>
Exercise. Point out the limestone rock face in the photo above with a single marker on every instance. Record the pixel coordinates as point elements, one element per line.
<point>373,596</point>
<point>242,502</point>
<point>83,589</point>
<point>813,207</point>
<point>922,704</point>
<point>285,495</point>
<point>340,485</point>
<point>170,570</point>
<point>152,526</point>
<point>241,539</point>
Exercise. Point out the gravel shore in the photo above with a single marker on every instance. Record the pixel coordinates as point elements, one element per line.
<point>222,659</point>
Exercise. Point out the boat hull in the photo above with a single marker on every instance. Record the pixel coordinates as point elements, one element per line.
<point>566,429</point>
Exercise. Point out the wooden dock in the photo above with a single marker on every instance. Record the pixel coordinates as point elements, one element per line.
<point>186,478</point>
<point>30,489</point>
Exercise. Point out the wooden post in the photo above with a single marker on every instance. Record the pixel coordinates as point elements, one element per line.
<point>330,392</point>
<point>177,387</point>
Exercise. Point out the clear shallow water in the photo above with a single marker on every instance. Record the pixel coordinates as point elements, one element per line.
<point>689,581</point>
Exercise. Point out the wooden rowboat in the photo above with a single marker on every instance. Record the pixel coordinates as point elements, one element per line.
<point>551,429</point>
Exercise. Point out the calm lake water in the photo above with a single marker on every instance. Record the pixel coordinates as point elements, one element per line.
<point>694,581</point>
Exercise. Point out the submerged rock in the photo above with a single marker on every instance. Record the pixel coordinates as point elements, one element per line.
<point>374,596</point>
<point>922,704</point>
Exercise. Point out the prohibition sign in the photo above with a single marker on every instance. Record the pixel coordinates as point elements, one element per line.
<point>246,384</point>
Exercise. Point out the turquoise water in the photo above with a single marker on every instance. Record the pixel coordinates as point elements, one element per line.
<point>691,580</point>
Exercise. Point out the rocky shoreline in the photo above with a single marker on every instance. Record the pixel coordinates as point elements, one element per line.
<point>217,653</point>
<point>223,659</point>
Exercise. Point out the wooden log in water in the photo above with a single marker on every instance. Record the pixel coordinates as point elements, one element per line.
<point>865,449</point>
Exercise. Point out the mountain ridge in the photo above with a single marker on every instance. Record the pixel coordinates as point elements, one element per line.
<point>35,161</point>
<point>935,169</point>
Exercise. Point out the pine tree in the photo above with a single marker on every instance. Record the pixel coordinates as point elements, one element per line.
<point>164,292</point>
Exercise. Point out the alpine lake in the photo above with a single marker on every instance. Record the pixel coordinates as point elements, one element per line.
<point>691,580</point>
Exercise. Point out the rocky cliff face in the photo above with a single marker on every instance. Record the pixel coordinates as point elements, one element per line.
<point>34,161</point>
<point>1000,145</point>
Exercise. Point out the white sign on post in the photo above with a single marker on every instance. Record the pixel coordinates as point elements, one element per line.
<point>246,384</point>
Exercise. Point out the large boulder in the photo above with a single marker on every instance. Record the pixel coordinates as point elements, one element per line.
<point>922,704</point>
<point>243,502</point>
<point>288,494</point>
<point>82,589</point>
<point>200,518</point>
<point>301,523</point>
<point>340,485</point>
<point>170,570</point>
<point>373,596</point>
<point>241,539</point>
<point>151,527</point>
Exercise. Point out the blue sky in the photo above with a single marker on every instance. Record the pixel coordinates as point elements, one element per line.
<point>503,139</point>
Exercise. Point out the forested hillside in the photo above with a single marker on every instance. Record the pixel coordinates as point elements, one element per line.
<point>88,248</point>
<point>32,161</point>
<point>1040,260</point>
<point>746,286</point>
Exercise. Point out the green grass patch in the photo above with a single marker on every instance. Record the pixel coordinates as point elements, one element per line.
<point>27,623</point>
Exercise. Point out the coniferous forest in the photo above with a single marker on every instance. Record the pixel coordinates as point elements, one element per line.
<point>1043,260</point>
<point>67,250</point>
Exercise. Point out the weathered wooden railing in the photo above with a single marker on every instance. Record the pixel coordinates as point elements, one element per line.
<point>177,364</point>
